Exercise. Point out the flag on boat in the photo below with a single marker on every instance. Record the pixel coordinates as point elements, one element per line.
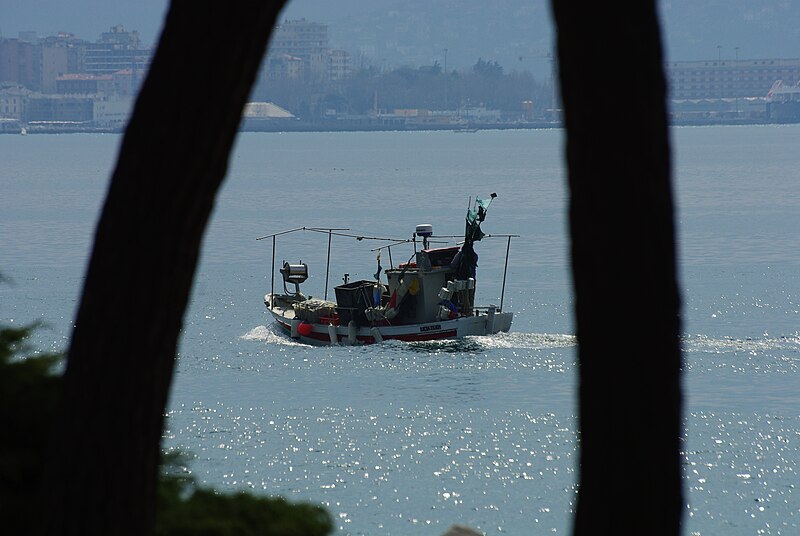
<point>466,261</point>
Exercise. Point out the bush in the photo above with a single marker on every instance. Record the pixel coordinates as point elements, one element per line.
<point>29,391</point>
<point>186,509</point>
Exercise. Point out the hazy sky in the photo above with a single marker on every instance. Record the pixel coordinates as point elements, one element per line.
<point>694,29</point>
<point>88,18</point>
<point>84,18</point>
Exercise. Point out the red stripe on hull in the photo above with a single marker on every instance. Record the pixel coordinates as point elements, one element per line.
<point>410,337</point>
<point>426,337</point>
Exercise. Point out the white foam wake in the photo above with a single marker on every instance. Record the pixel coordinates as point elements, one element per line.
<point>270,335</point>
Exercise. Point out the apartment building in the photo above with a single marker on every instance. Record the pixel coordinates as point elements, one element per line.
<point>720,79</point>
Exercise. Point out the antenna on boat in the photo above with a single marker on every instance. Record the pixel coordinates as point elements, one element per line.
<point>425,230</point>
<point>505,270</point>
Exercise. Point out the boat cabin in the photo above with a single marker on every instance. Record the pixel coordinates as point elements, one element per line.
<point>432,292</point>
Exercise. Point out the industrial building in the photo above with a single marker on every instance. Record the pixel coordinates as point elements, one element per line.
<point>718,79</point>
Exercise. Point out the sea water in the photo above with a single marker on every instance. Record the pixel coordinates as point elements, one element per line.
<point>400,438</point>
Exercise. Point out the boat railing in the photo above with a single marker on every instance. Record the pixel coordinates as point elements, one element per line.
<point>339,231</point>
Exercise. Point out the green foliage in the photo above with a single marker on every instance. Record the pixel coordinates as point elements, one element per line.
<point>428,87</point>
<point>186,509</point>
<point>488,69</point>
<point>29,391</point>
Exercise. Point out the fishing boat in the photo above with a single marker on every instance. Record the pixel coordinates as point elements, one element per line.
<point>430,297</point>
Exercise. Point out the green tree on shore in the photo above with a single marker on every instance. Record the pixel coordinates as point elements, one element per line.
<point>427,87</point>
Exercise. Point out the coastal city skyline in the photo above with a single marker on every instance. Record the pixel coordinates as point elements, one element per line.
<point>414,32</point>
<point>404,74</point>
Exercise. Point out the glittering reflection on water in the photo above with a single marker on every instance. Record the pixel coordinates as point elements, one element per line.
<point>425,465</point>
<point>418,466</point>
<point>443,433</point>
<point>752,346</point>
<point>395,438</point>
<point>766,355</point>
<point>741,472</point>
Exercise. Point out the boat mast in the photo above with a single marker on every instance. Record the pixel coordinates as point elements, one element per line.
<point>272,292</point>
<point>505,269</point>
<point>328,264</point>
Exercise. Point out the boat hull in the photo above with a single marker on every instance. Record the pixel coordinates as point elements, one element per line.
<point>484,323</point>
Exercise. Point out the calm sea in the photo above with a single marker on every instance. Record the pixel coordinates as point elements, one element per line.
<point>401,439</point>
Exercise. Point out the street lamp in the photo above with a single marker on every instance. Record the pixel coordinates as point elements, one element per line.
<point>445,79</point>
<point>738,80</point>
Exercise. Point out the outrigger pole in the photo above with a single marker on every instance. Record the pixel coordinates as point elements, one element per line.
<point>505,266</point>
<point>328,230</point>
<point>273,256</point>
<point>272,288</point>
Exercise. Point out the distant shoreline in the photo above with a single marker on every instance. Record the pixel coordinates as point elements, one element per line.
<point>345,127</point>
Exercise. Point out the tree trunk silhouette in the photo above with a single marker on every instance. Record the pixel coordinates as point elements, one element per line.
<point>623,262</point>
<point>103,458</point>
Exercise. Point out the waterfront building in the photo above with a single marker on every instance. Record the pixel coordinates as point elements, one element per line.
<point>36,63</point>
<point>20,63</point>
<point>112,112</point>
<point>59,108</point>
<point>284,67</point>
<point>116,50</point>
<point>305,40</point>
<point>54,64</point>
<point>85,84</point>
<point>339,64</point>
<point>104,59</point>
<point>118,36</point>
<point>719,79</point>
<point>128,81</point>
<point>12,101</point>
<point>75,50</point>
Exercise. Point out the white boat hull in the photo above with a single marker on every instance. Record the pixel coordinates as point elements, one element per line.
<point>483,323</point>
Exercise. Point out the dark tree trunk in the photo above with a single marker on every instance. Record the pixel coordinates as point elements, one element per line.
<point>102,465</point>
<point>623,261</point>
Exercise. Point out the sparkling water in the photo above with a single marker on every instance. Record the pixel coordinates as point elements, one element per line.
<point>410,438</point>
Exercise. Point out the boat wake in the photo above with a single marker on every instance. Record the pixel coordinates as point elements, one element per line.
<point>544,341</point>
<point>753,346</point>
<point>515,341</point>
<point>529,341</point>
<point>271,335</point>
